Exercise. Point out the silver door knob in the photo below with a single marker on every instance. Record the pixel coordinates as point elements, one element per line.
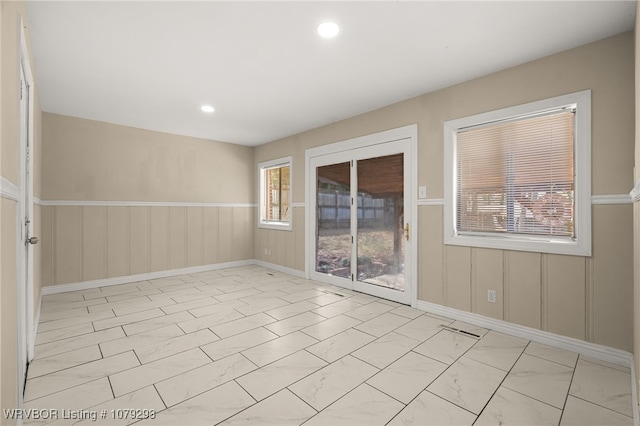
<point>33,240</point>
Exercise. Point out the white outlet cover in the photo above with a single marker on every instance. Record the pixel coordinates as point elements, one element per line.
<point>422,192</point>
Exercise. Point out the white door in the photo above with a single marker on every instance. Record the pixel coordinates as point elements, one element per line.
<point>361,219</point>
<point>26,240</point>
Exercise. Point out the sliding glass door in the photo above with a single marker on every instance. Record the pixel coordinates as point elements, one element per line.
<point>333,221</point>
<point>380,222</point>
<point>359,238</point>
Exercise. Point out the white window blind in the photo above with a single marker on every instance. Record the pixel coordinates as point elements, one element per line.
<point>517,176</point>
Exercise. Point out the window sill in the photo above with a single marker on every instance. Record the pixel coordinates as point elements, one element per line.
<point>287,226</point>
<point>523,243</point>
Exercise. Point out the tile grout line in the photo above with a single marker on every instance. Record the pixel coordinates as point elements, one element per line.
<point>566,398</point>
<point>503,380</point>
<point>166,407</point>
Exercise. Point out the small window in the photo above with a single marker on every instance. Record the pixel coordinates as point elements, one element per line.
<point>275,194</point>
<point>519,178</point>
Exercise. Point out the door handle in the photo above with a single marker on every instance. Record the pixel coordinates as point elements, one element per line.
<point>33,240</point>
<point>406,231</point>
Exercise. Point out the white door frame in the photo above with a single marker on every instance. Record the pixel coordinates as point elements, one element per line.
<point>332,151</point>
<point>26,331</point>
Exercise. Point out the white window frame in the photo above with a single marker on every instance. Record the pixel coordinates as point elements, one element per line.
<point>578,246</point>
<point>262,195</point>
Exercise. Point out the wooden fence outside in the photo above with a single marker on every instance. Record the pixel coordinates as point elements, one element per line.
<point>334,210</point>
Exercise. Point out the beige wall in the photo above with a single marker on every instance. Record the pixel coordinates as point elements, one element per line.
<point>89,160</point>
<point>287,248</point>
<point>86,160</point>
<point>84,243</point>
<point>585,298</point>
<point>10,15</point>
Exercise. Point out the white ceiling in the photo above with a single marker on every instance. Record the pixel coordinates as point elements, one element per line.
<point>152,64</point>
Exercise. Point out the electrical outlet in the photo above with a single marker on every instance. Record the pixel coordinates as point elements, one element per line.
<point>491,296</point>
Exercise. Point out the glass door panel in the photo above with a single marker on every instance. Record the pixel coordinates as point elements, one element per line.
<point>333,220</point>
<point>357,215</point>
<point>380,221</point>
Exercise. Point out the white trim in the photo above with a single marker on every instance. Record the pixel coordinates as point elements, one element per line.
<point>139,204</point>
<point>635,192</point>
<point>604,353</point>
<point>24,251</point>
<point>29,196</point>
<point>431,202</point>
<point>414,233</point>
<point>362,141</point>
<point>634,395</point>
<point>580,246</point>
<point>279,268</point>
<point>611,199</point>
<point>347,150</point>
<point>84,285</point>
<point>8,190</point>
<point>265,224</point>
<point>278,226</point>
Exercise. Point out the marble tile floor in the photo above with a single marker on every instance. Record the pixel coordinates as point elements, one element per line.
<point>253,346</point>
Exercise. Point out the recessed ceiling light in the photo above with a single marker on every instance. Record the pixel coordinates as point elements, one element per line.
<point>207,108</point>
<point>328,29</point>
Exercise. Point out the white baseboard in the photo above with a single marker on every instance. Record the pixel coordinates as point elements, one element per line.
<point>84,285</point>
<point>604,353</point>
<point>106,282</point>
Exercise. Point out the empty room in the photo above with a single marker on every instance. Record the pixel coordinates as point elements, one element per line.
<point>319,213</point>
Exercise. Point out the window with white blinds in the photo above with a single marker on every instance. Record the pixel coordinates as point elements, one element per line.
<point>519,178</point>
